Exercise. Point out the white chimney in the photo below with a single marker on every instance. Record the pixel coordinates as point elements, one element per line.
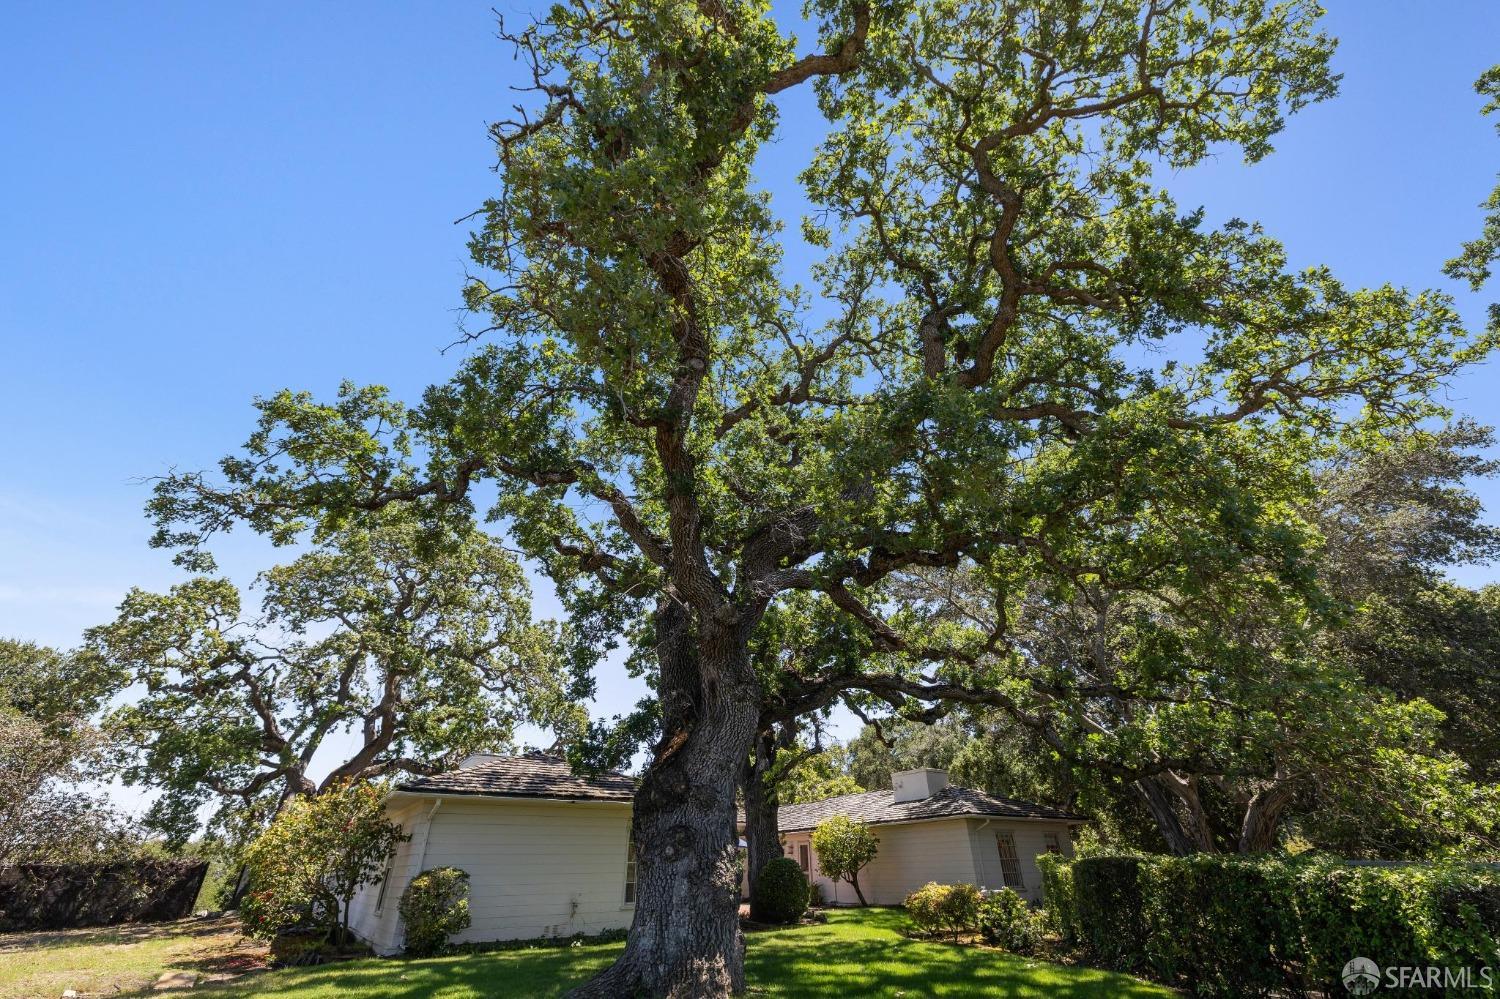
<point>914,785</point>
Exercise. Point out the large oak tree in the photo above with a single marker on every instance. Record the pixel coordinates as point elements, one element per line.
<point>1014,353</point>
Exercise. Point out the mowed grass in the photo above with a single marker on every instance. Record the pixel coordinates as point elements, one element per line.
<point>120,960</point>
<point>856,953</point>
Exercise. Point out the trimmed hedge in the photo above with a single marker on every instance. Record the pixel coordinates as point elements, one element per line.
<point>64,896</point>
<point>1225,925</point>
<point>1057,891</point>
<point>1109,907</point>
<point>1230,926</point>
<point>1444,915</point>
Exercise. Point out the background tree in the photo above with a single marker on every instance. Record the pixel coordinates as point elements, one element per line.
<point>680,433</point>
<point>989,749</point>
<point>1474,264</point>
<point>816,775</point>
<point>1395,521</point>
<point>1335,713</point>
<point>418,641</point>
<point>845,847</point>
<point>885,747</point>
<point>48,746</point>
<point>800,640</point>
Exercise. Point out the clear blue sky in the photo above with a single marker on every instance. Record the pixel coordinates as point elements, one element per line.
<point>207,201</point>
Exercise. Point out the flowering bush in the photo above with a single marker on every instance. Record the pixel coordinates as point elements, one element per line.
<point>307,865</point>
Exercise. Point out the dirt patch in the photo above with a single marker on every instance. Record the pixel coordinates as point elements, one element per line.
<point>115,960</point>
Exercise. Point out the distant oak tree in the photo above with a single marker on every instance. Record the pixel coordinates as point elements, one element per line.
<point>418,643</point>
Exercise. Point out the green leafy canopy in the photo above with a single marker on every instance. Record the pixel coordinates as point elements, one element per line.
<point>1014,352</point>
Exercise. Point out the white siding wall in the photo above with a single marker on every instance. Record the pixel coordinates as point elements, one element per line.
<point>948,851</point>
<point>536,868</point>
<point>910,855</point>
<point>1030,840</point>
<point>381,928</point>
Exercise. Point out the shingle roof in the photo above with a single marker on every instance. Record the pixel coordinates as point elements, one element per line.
<point>535,775</point>
<point>875,807</point>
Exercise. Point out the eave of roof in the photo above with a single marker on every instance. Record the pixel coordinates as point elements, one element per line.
<point>536,776</point>
<point>878,808</point>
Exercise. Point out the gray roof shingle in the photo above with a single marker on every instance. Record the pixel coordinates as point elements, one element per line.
<point>875,807</point>
<point>535,775</point>
<point>540,775</point>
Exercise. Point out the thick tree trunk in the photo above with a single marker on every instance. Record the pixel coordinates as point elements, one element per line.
<point>685,940</point>
<point>762,835</point>
<point>1181,822</point>
<point>1262,819</point>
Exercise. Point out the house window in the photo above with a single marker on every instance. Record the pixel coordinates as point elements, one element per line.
<point>803,860</point>
<point>1010,865</point>
<point>630,874</point>
<point>1054,845</point>
<point>385,880</point>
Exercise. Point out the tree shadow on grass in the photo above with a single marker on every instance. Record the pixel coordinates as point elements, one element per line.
<point>542,972</point>
<point>116,936</point>
<point>865,954</point>
<point>854,954</point>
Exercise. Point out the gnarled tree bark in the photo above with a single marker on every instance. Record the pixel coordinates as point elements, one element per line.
<point>685,940</point>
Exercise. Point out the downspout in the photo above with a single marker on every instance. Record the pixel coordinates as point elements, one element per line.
<point>426,830</point>
<point>974,850</point>
<point>421,859</point>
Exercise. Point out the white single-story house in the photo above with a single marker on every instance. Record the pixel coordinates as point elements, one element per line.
<point>930,830</point>
<point>548,853</point>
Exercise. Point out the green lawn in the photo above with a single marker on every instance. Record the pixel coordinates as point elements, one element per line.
<point>120,960</point>
<point>858,953</point>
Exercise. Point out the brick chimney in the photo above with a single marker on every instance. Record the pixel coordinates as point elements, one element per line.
<point>915,785</point>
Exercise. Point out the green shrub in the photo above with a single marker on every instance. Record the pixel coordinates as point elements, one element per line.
<point>939,908</point>
<point>305,869</point>
<point>1061,909</point>
<point>1107,893</point>
<point>434,906</point>
<point>815,897</point>
<point>1446,915</point>
<point>1007,920</point>
<point>1225,925</point>
<point>844,848</point>
<point>1235,926</point>
<point>780,894</point>
<point>297,948</point>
